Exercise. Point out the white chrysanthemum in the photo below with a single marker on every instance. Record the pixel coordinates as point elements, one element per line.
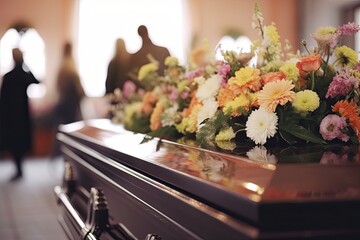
<point>259,154</point>
<point>261,125</point>
<point>208,110</point>
<point>209,88</point>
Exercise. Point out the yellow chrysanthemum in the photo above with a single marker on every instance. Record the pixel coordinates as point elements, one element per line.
<point>226,145</point>
<point>306,101</point>
<point>189,124</point>
<point>346,56</point>
<point>129,111</point>
<point>272,34</point>
<point>146,70</point>
<point>274,93</point>
<point>247,78</point>
<point>326,30</point>
<point>171,61</point>
<point>291,71</point>
<point>225,134</point>
<point>240,102</point>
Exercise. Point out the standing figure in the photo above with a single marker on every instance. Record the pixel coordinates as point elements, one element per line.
<point>70,93</point>
<point>118,68</point>
<point>15,116</point>
<point>148,47</point>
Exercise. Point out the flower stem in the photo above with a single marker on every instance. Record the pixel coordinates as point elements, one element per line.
<point>312,80</point>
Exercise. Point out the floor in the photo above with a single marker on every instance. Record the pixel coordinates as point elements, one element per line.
<point>28,208</point>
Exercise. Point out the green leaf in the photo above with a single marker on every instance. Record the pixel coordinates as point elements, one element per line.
<point>302,133</point>
<point>287,137</point>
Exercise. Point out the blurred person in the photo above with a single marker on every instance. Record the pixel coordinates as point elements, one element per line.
<point>140,58</point>
<point>15,121</point>
<point>70,93</point>
<point>118,68</point>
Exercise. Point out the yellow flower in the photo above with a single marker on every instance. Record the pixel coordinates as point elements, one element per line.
<point>155,118</point>
<point>274,93</point>
<point>189,124</point>
<point>247,78</point>
<point>171,61</point>
<point>346,56</point>
<point>326,30</point>
<point>129,111</point>
<point>241,102</point>
<point>225,134</point>
<point>272,34</point>
<point>306,101</point>
<point>291,71</point>
<point>146,70</point>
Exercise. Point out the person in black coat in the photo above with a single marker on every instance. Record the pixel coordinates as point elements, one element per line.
<point>141,57</point>
<point>118,68</point>
<point>15,118</point>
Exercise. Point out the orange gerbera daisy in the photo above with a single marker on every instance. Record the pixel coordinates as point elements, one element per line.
<point>349,111</point>
<point>274,93</point>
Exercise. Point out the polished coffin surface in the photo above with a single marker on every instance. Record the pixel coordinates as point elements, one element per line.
<point>183,192</point>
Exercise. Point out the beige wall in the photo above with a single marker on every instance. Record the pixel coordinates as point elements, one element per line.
<point>51,18</point>
<point>211,19</point>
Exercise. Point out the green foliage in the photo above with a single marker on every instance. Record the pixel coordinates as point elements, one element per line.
<point>212,127</point>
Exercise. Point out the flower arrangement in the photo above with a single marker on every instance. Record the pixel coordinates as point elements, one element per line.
<point>269,95</point>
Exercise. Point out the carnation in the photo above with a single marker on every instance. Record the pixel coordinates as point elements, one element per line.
<point>333,126</point>
<point>306,101</point>
<point>341,84</point>
<point>209,87</point>
<point>261,125</point>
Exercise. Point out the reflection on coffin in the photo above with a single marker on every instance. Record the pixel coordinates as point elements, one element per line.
<point>116,188</point>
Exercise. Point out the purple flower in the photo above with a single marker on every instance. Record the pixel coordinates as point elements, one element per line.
<point>341,84</point>
<point>333,126</point>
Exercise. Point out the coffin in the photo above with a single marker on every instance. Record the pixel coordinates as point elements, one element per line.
<point>116,188</point>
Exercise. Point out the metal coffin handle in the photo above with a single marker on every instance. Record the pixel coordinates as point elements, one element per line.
<point>97,215</point>
<point>97,221</point>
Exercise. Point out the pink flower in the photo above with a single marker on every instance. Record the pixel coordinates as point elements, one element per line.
<point>349,28</point>
<point>341,84</point>
<point>333,126</point>
<point>344,30</point>
<point>195,73</point>
<point>174,94</point>
<point>129,89</point>
<point>223,72</point>
<point>333,158</point>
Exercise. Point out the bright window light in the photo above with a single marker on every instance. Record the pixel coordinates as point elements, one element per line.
<point>228,43</point>
<point>33,48</point>
<point>102,22</point>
